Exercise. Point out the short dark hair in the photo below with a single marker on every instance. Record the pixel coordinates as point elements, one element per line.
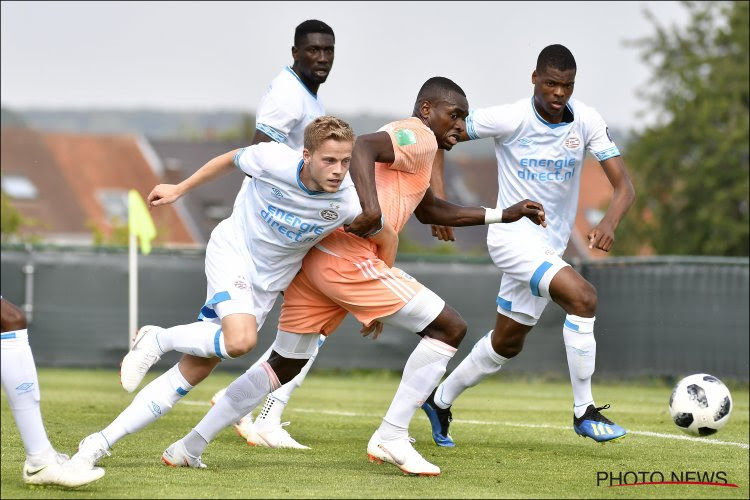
<point>437,87</point>
<point>311,26</point>
<point>555,56</point>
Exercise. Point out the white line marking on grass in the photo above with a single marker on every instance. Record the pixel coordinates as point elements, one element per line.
<point>512,424</point>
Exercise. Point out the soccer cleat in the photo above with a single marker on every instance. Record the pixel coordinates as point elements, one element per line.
<point>243,427</point>
<point>440,420</point>
<point>144,354</point>
<point>91,449</point>
<point>596,426</point>
<point>272,437</point>
<point>177,456</point>
<point>400,453</point>
<point>68,474</point>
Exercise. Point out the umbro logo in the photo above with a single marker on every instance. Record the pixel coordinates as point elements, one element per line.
<point>525,141</point>
<point>277,192</point>
<point>24,388</point>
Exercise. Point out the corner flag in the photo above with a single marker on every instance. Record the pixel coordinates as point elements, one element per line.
<point>140,223</point>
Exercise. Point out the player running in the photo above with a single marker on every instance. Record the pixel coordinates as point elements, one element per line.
<point>540,145</point>
<point>344,273</point>
<point>293,201</point>
<point>43,465</point>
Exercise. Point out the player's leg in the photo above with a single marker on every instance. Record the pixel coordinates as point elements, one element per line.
<point>227,326</point>
<point>579,300</point>
<point>289,355</point>
<point>43,465</point>
<point>151,403</point>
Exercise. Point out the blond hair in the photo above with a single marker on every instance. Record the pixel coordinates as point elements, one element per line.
<point>327,127</point>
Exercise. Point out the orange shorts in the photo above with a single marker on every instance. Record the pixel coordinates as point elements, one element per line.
<point>328,287</point>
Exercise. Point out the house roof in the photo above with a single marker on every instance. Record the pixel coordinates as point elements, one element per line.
<point>71,170</point>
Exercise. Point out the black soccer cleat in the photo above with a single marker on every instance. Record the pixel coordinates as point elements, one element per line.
<point>440,420</point>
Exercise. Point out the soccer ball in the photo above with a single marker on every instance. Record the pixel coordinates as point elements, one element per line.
<point>700,404</point>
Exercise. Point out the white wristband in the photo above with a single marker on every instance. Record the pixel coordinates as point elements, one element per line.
<point>493,215</point>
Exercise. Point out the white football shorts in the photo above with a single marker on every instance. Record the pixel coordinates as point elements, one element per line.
<point>528,264</point>
<point>229,272</point>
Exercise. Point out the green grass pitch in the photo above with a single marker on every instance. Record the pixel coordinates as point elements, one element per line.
<point>514,441</point>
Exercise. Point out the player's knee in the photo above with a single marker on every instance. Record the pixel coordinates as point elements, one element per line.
<point>285,368</point>
<point>455,330</point>
<point>240,343</point>
<point>585,301</point>
<point>13,319</point>
<point>509,346</point>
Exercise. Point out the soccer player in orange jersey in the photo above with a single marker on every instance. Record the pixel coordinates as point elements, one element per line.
<point>343,273</point>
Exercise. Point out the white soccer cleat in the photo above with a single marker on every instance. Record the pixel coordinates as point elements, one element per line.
<point>91,449</point>
<point>143,355</point>
<point>400,453</point>
<point>272,437</point>
<point>243,426</point>
<point>177,456</point>
<point>68,474</point>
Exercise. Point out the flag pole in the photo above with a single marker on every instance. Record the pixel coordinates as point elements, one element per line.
<point>132,288</point>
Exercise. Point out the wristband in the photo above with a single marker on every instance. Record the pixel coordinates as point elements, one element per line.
<point>493,215</point>
<point>382,225</point>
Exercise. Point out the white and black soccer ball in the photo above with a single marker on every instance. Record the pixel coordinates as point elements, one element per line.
<point>700,404</point>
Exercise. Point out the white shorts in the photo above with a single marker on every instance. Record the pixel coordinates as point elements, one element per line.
<point>229,272</point>
<point>418,313</point>
<point>528,264</point>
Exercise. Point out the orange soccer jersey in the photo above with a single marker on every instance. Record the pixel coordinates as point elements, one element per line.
<point>343,273</point>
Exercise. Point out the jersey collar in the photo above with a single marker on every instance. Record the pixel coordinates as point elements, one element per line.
<point>301,184</point>
<point>552,125</point>
<point>295,75</point>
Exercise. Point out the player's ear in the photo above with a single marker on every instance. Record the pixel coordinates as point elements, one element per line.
<point>534,76</point>
<point>425,107</point>
<point>306,155</point>
<point>295,53</point>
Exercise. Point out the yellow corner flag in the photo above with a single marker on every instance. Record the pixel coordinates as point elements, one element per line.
<point>139,221</point>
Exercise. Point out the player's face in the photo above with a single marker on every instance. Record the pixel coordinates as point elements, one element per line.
<point>313,57</point>
<point>327,165</point>
<point>446,119</point>
<point>552,91</point>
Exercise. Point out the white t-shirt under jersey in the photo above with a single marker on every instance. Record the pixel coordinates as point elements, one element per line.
<point>541,161</point>
<point>279,218</point>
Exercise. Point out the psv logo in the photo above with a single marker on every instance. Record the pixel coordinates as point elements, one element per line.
<point>329,214</point>
<point>572,142</point>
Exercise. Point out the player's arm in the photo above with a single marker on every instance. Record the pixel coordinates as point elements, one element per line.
<point>368,149</point>
<point>437,183</point>
<point>387,242</point>
<point>164,194</point>
<point>433,210</point>
<point>603,235</point>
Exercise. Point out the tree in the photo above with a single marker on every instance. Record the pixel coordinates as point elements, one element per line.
<point>690,169</point>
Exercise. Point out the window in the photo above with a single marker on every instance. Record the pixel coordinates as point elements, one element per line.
<point>19,187</point>
<point>114,202</point>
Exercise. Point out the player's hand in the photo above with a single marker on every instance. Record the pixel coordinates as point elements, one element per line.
<point>163,194</point>
<point>443,233</point>
<point>602,236</point>
<point>376,328</point>
<point>365,225</point>
<point>526,208</point>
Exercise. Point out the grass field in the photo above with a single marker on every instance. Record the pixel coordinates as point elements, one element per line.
<point>514,440</point>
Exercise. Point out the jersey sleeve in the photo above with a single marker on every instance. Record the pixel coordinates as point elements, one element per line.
<point>414,148</point>
<point>258,159</point>
<point>277,117</point>
<point>598,139</point>
<point>495,121</point>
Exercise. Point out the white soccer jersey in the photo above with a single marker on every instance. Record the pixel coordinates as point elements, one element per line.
<point>541,161</point>
<point>286,108</point>
<point>279,218</point>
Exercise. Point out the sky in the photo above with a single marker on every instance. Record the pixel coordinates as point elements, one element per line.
<point>202,56</point>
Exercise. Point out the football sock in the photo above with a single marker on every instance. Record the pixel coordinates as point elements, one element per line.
<point>580,347</point>
<point>240,398</point>
<point>481,362</point>
<point>202,338</point>
<point>151,402</point>
<point>19,380</point>
<point>270,414</point>
<point>423,370</point>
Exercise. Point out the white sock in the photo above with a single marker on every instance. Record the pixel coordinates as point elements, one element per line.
<point>270,414</point>
<point>481,362</point>
<point>423,370</point>
<point>240,398</point>
<point>151,402</point>
<point>580,346</point>
<point>19,380</point>
<point>202,338</point>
